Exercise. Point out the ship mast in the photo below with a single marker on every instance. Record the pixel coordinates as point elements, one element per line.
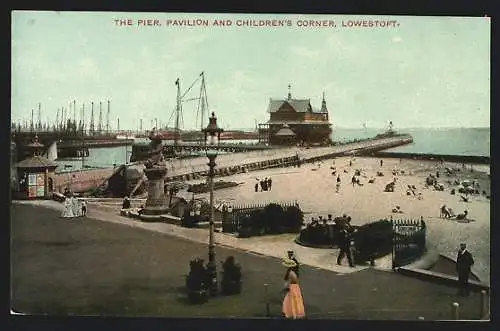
<point>177,113</point>
<point>204,101</point>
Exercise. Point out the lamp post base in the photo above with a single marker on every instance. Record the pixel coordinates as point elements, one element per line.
<point>213,287</point>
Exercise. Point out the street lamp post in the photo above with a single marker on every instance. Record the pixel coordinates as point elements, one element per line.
<point>212,138</point>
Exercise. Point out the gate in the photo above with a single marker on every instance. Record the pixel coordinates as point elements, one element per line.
<point>408,241</point>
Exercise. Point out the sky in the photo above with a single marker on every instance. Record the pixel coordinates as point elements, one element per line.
<point>415,71</point>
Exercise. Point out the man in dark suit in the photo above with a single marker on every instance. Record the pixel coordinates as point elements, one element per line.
<point>345,245</point>
<point>464,264</point>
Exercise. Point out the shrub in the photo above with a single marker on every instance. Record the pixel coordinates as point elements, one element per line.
<point>196,282</point>
<point>373,240</point>
<point>231,277</point>
<point>272,218</point>
<point>190,221</point>
<point>293,218</point>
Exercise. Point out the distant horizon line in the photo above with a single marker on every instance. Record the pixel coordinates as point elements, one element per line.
<point>250,129</point>
<point>396,129</point>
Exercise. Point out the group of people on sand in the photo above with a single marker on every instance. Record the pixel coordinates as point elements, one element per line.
<point>265,184</point>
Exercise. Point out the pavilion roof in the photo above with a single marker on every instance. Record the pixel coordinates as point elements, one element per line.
<point>36,162</point>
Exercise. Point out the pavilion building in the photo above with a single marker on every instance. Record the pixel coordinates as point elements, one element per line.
<point>294,122</point>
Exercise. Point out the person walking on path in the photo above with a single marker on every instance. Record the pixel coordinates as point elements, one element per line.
<point>269,183</point>
<point>464,264</point>
<point>291,256</point>
<point>84,208</point>
<point>345,245</point>
<point>381,162</point>
<point>293,304</point>
<point>257,186</point>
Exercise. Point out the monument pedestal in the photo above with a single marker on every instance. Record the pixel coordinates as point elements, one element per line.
<point>156,203</point>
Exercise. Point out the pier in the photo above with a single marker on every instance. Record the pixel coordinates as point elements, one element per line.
<point>140,152</point>
<point>228,164</point>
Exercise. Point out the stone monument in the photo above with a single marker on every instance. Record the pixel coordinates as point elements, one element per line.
<point>155,170</point>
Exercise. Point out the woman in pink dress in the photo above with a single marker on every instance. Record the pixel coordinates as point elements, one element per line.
<point>293,304</point>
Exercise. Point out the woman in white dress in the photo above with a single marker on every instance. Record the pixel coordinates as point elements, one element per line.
<point>68,208</point>
<point>75,205</point>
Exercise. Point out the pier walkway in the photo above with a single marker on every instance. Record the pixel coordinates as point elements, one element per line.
<point>181,169</point>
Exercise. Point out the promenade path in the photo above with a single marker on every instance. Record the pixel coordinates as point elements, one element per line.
<point>92,266</point>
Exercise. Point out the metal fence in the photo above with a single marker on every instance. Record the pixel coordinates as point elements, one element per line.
<point>408,241</point>
<point>231,218</point>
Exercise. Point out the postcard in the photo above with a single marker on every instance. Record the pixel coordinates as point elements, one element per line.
<point>250,165</point>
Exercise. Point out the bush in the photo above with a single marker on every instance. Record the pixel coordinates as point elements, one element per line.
<point>293,219</point>
<point>321,235</point>
<point>196,282</point>
<point>373,240</point>
<point>190,221</point>
<point>231,277</point>
<point>272,218</point>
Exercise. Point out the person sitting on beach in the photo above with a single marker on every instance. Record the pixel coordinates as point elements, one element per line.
<point>444,212</point>
<point>462,216</point>
<point>126,203</point>
<point>397,209</point>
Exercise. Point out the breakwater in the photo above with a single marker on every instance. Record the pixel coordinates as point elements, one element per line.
<point>445,158</point>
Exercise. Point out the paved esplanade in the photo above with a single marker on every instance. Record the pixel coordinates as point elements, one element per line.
<point>199,164</point>
<point>88,266</point>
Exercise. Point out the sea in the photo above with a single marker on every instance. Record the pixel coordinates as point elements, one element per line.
<point>445,141</point>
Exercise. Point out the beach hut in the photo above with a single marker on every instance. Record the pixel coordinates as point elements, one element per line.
<point>36,174</point>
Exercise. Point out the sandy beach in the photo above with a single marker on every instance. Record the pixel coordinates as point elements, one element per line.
<point>313,186</point>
